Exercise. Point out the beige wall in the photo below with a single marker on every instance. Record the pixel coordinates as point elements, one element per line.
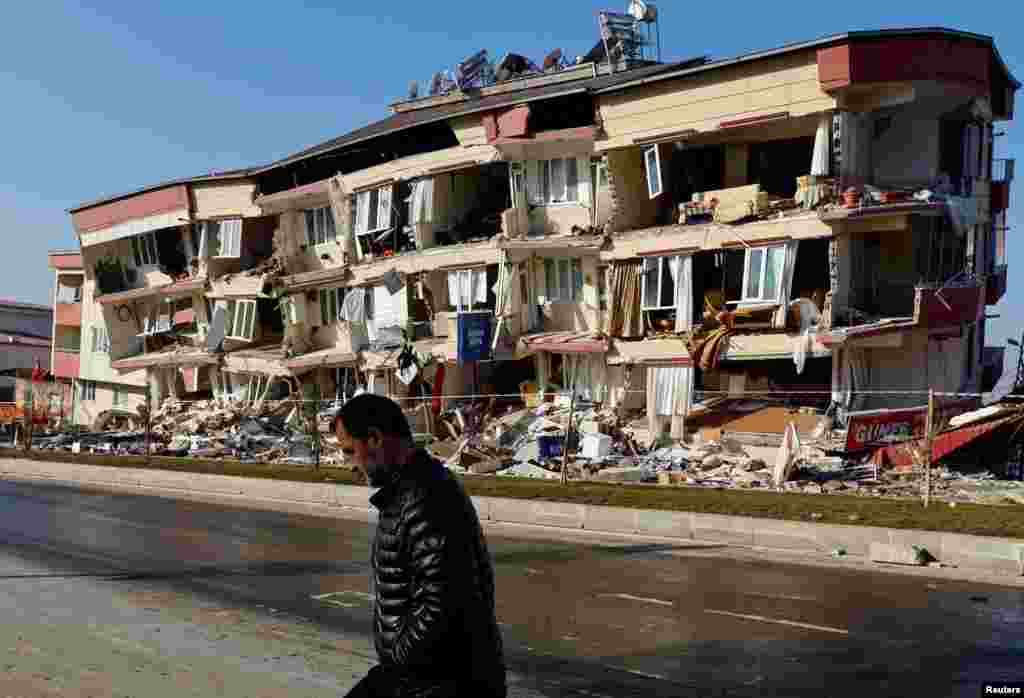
<point>581,315</point>
<point>469,130</point>
<point>559,219</point>
<point>86,411</point>
<point>217,200</point>
<point>632,207</point>
<point>702,101</point>
<point>96,365</point>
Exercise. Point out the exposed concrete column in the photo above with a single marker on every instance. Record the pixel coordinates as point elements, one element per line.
<point>157,393</point>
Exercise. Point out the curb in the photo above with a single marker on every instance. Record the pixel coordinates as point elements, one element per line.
<point>991,556</point>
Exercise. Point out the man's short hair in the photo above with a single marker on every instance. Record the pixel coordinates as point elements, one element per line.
<point>369,411</point>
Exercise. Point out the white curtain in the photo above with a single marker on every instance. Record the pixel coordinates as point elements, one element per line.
<point>362,211</point>
<point>423,201</point>
<point>784,273</point>
<point>819,163</point>
<point>587,376</point>
<point>684,292</point>
<point>467,287</point>
<point>671,388</point>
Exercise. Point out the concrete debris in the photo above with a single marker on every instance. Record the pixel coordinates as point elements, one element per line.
<point>892,554</point>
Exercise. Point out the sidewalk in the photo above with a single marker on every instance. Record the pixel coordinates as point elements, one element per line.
<point>984,559</point>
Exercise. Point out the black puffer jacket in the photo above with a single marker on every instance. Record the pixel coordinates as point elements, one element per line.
<point>434,620</point>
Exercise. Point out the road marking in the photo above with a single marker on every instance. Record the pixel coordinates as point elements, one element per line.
<point>641,599</point>
<point>331,599</point>
<point>780,621</point>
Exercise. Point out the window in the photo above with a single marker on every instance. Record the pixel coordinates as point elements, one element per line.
<point>373,211</point>
<point>602,288</point>
<point>241,320</point>
<point>762,272</point>
<point>558,181</point>
<point>68,294</point>
<point>563,279</point>
<point>144,250</point>
<point>100,340</point>
<point>466,288</point>
<point>331,300</point>
<point>319,225</point>
<point>659,286</point>
<point>516,182</point>
<point>86,391</point>
<point>230,238</point>
<point>652,165</point>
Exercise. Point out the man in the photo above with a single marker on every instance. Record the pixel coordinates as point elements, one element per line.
<point>434,624</point>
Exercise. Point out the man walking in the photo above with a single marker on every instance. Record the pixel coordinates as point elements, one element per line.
<point>434,623</point>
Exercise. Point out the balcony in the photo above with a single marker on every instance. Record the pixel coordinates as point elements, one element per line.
<point>65,363</point>
<point>68,314</point>
<point>1002,175</point>
<point>947,307</point>
<point>995,285</point>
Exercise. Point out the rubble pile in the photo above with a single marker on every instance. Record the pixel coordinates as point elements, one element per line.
<point>267,432</point>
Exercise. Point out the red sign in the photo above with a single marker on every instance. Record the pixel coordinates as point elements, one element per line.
<point>882,427</point>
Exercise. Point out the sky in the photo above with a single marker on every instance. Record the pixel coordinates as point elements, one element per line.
<point>104,97</point>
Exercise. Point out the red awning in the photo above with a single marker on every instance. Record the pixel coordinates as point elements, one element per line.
<point>566,343</point>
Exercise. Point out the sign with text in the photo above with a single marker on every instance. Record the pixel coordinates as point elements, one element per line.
<point>885,427</point>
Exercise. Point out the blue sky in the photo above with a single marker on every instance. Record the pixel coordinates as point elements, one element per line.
<point>103,97</point>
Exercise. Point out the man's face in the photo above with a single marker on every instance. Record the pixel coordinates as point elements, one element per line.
<point>369,455</point>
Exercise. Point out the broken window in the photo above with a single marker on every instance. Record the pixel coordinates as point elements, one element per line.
<point>144,250</point>
<point>652,165</point>
<point>659,288</point>
<point>241,320</point>
<point>563,279</point>
<point>762,272</point>
<point>331,300</point>
<point>319,225</point>
<point>100,340</point>
<point>373,210</point>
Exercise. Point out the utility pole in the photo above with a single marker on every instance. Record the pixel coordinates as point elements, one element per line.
<point>929,442</point>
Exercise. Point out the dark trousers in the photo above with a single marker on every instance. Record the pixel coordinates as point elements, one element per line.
<point>378,683</point>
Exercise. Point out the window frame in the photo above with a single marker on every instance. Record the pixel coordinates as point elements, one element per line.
<point>459,308</point>
<point>99,339</point>
<point>244,320</point>
<point>663,272</point>
<point>325,228</point>
<point>229,234</point>
<point>572,290</point>
<point>326,296</point>
<point>546,171</point>
<point>87,391</point>
<point>647,152</point>
<point>144,250</point>
<point>765,258</point>
<point>373,198</point>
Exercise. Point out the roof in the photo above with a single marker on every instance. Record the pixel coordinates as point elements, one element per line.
<point>680,71</point>
<point>198,179</point>
<point>21,305</point>
<point>420,117</point>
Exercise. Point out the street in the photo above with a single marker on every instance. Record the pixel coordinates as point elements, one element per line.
<point>124,595</point>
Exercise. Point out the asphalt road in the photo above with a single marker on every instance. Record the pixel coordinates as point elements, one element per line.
<point>122,595</point>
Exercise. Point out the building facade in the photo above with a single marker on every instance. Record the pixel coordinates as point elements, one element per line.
<point>823,221</point>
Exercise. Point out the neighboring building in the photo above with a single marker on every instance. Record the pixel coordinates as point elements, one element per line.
<point>599,214</point>
<point>24,342</point>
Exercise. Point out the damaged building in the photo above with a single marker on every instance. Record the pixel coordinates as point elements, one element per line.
<point>808,232</point>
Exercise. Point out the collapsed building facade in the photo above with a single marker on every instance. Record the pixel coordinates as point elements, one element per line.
<point>823,222</point>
